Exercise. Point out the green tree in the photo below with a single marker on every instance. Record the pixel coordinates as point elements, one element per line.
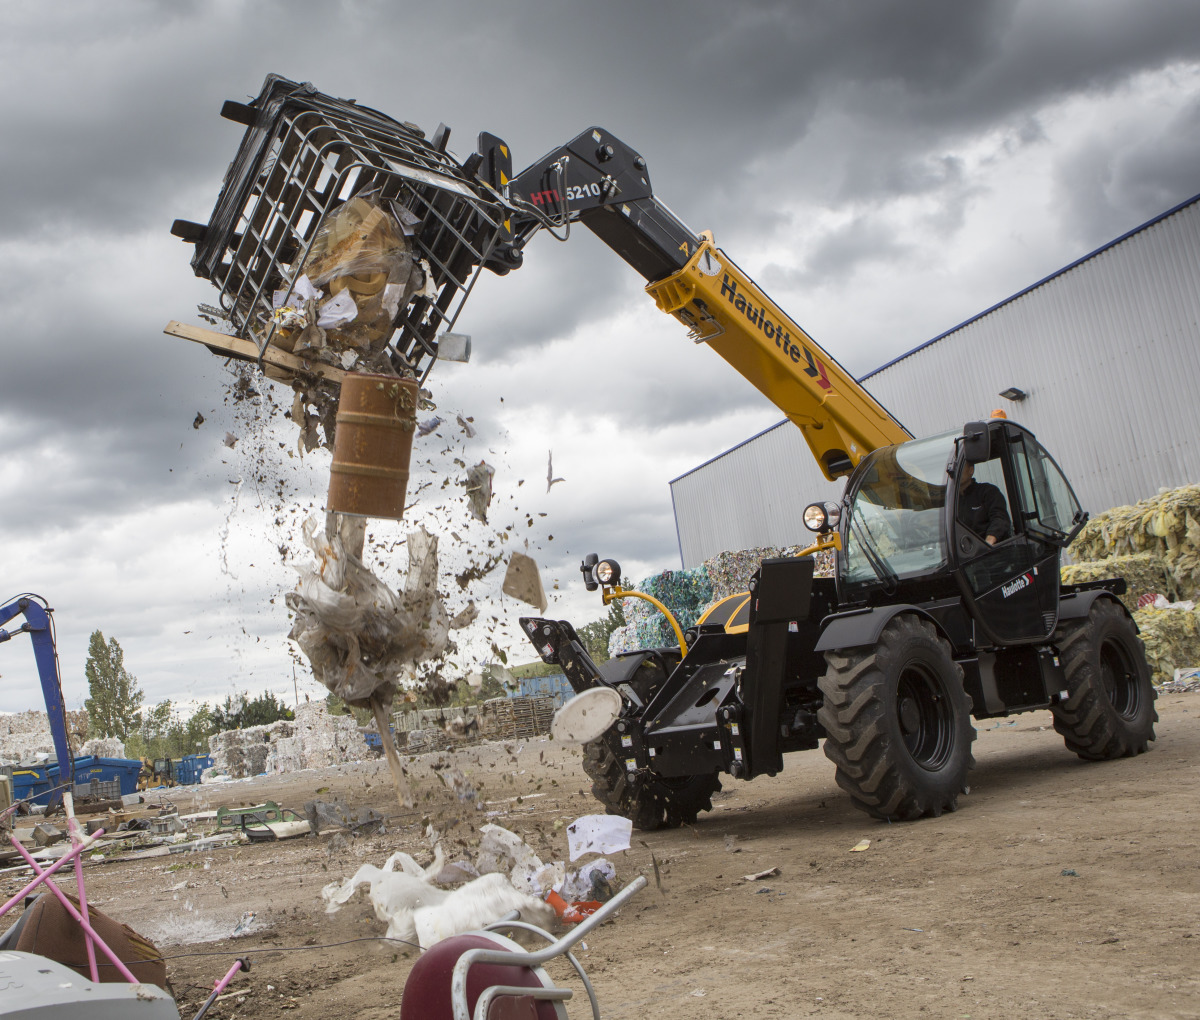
<point>197,730</point>
<point>239,712</point>
<point>115,696</point>
<point>595,635</point>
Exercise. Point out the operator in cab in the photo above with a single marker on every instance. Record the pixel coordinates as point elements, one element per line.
<point>981,507</point>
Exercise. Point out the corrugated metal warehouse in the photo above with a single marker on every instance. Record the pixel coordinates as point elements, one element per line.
<point>1105,354</point>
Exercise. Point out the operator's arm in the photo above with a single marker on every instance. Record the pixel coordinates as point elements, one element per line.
<point>998,525</point>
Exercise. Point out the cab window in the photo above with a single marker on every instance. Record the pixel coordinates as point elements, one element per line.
<point>1048,506</point>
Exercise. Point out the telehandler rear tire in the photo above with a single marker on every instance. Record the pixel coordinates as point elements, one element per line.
<point>1109,710</point>
<point>898,722</point>
<point>653,802</point>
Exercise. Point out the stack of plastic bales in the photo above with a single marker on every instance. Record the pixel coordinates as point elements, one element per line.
<point>689,593</point>
<point>1155,545</point>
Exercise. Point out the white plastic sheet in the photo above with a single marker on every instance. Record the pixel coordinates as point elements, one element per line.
<point>598,834</point>
<point>359,635</point>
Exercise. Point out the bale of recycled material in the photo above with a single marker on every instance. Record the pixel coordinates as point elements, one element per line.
<point>1145,573</point>
<point>1172,639</point>
<point>1167,524</point>
<point>689,594</point>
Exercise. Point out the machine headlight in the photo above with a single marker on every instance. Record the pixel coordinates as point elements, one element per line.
<point>608,572</point>
<point>815,517</point>
<point>833,514</point>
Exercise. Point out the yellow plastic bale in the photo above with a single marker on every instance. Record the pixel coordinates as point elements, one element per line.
<point>1167,525</point>
<point>1144,573</point>
<point>1172,639</point>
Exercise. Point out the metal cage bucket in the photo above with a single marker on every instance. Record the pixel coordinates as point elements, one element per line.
<point>302,156</point>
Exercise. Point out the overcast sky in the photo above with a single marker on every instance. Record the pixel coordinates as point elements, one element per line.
<point>885,169</point>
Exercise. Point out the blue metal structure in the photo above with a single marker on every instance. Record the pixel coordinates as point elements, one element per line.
<point>40,628</point>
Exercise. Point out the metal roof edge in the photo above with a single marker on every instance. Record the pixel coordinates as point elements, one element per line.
<point>725,453</point>
<point>1034,286</point>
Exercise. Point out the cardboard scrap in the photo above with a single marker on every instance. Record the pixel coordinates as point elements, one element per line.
<point>522,581</point>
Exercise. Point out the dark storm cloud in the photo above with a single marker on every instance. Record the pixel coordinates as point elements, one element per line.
<point>1103,192</point>
<point>746,112</point>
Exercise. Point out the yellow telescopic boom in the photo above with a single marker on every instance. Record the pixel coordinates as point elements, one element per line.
<point>723,308</point>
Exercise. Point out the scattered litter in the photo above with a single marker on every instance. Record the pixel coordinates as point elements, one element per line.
<point>913,929</point>
<point>428,425</point>
<point>322,816</point>
<point>598,834</point>
<point>245,923</point>
<point>230,440</point>
<point>478,484</point>
<point>522,581</point>
<point>505,852</point>
<point>358,634</point>
<point>758,876</point>
<point>654,863</point>
<point>861,845</point>
<point>462,787</point>
<point>550,479</point>
<point>467,427</point>
<point>417,910</point>
<point>731,845</point>
<point>593,881</point>
<point>1185,681</point>
<point>1069,873</point>
<point>571,913</point>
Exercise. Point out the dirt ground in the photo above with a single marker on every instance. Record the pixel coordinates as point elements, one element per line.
<point>1059,889</point>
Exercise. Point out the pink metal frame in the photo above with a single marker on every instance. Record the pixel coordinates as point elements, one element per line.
<point>42,876</point>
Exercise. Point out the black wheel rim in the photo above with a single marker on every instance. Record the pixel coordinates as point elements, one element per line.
<point>1118,674</point>
<point>925,717</point>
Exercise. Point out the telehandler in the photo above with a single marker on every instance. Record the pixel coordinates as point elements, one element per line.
<point>926,622</point>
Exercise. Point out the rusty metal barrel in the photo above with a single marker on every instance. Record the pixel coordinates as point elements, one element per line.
<point>372,447</point>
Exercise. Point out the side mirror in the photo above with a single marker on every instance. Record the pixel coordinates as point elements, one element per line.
<point>976,442</point>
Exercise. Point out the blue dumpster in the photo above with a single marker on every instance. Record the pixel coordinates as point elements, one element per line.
<point>89,767</point>
<point>31,783</point>
<point>190,766</point>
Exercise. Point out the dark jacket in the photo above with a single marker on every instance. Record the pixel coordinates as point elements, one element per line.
<point>981,508</point>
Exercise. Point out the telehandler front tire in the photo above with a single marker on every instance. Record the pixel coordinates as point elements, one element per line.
<point>898,722</point>
<point>1109,709</point>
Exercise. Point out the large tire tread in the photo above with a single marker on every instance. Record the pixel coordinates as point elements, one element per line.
<point>863,741</point>
<point>650,802</point>
<point>1087,721</point>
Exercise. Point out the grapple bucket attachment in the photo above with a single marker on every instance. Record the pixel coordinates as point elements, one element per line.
<point>304,155</point>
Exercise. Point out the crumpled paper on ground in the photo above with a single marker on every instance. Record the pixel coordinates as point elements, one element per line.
<point>358,634</point>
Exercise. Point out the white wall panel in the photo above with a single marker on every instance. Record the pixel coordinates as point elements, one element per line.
<point>1108,351</point>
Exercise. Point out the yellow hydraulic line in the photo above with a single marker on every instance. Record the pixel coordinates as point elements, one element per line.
<point>617,592</point>
<point>826,541</point>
